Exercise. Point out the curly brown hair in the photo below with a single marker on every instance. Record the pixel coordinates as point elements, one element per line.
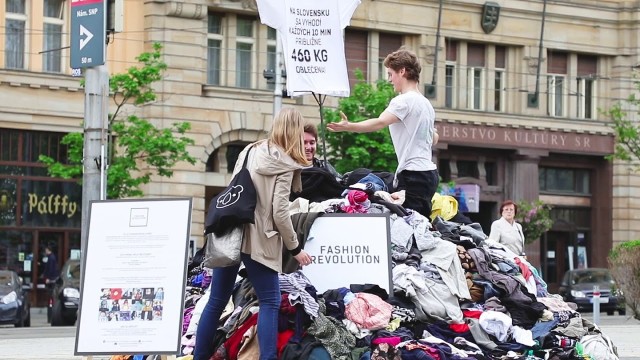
<point>404,59</point>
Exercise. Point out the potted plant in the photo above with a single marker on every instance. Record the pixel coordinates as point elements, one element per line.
<point>535,218</point>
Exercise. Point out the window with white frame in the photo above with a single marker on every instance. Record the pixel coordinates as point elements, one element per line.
<point>15,41</point>
<point>450,74</point>
<point>475,76</point>
<point>245,41</point>
<point>499,92</point>
<point>52,39</point>
<point>586,98</point>
<point>499,79</point>
<point>475,94</point>
<point>556,83</point>
<point>271,54</point>
<point>587,74</point>
<point>450,85</point>
<point>556,95</point>
<point>214,49</point>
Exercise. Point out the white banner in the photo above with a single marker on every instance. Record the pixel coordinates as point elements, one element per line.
<point>349,249</point>
<point>312,42</point>
<point>133,283</point>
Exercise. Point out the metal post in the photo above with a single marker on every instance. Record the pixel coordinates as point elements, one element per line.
<point>540,45</point>
<point>434,77</point>
<point>320,100</point>
<point>596,304</point>
<point>277,92</point>
<point>93,177</point>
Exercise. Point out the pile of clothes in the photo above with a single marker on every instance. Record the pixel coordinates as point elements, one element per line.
<point>456,295</point>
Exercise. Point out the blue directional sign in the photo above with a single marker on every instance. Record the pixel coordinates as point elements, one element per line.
<point>88,33</point>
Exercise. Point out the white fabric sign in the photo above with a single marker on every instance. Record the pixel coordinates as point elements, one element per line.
<point>312,42</point>
<point>349,249</point>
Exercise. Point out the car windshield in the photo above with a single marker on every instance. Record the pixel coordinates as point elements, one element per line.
<point>593,276</point>
<point>5,279</point>
<point>73,271</point>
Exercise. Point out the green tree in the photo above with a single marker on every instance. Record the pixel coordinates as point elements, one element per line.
<point>627,132</point>
<point>535,218</point>
<point>349,151</point>
<point>138,149</point>
<point>624,261</point>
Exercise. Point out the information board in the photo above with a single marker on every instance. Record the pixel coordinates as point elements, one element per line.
<point>133,283</point>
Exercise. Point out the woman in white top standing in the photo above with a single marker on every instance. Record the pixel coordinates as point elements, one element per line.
<point>506,230</point>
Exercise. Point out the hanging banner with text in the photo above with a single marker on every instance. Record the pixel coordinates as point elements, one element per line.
<point>133,282</point>
<point>312,42</point>
<point>349,249</point>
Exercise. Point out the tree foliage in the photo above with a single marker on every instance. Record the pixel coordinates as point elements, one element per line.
<point>349,151</point>
<point>627,132</point>
<point>535,218</point>
<point>624,261</point>
<point>138,149</point>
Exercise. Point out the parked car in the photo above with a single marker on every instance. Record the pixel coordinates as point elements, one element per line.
<point>577,286</point>
<point>15,307</point>
<point>65,296</point>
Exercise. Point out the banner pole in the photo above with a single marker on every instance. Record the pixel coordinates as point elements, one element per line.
<point>320,100</point>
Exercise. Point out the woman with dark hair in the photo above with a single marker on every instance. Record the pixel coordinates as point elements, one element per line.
<point>506,230</point>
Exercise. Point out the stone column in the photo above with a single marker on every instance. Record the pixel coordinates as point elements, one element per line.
<point>523,184</point>
<point>523,175</point>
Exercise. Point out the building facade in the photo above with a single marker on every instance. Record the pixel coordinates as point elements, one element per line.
<point>518,87</point>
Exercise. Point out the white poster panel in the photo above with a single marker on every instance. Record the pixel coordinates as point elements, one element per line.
<point>570,254</point>
<point>349,249</point>
<point>133,281</point>
<point>311,32</point>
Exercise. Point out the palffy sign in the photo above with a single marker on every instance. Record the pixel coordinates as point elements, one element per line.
<point>349,249</point>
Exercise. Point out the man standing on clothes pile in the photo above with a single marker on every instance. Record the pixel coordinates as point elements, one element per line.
<point>411,121</point>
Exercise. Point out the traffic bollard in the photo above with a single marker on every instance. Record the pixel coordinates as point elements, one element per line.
<point>596,304</point>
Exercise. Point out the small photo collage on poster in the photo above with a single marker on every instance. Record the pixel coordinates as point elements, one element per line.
<point>131,304</point>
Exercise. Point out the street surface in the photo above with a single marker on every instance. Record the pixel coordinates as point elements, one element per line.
<point>41,341</point>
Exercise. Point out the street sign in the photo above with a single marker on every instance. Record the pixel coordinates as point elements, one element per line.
<point>88,33</point>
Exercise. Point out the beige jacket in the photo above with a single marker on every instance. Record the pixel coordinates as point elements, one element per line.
<point>274,175</point>
<point>510,236</point>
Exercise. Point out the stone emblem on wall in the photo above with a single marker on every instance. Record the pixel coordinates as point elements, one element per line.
<point>490,16</point>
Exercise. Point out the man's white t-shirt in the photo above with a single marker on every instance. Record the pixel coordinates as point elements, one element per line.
<point>312,42</point>
<point>412,136</point>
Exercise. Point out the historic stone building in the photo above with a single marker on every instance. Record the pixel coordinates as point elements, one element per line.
<point>518,89</point>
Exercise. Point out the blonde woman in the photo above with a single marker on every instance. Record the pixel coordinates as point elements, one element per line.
<point>275,166</point>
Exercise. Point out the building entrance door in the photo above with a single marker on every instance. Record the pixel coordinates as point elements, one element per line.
<point>556,259</point>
